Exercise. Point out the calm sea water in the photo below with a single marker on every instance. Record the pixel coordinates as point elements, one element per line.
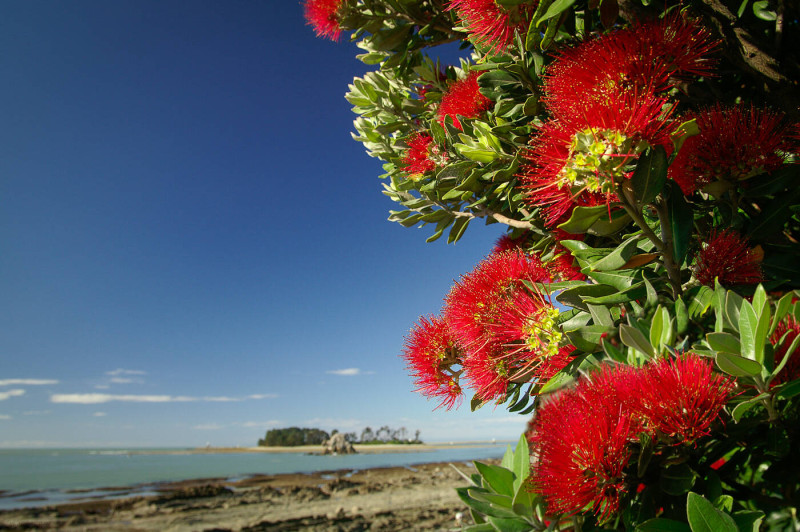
<point>45,476</point>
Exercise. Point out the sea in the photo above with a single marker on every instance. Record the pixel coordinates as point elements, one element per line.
<point>41,477</point>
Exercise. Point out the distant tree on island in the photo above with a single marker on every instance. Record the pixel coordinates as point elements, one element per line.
<point>294,436</point>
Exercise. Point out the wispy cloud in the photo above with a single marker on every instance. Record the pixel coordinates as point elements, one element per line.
<point>99,414</point>
<point>102,386</point>
<point>11,393</point>
<point>208,426</point>
<point>124,380</point>
<point>263,396</point>
<point>119,371</point>
<point>27,382</point>
<point>348,372</point>
<point>99,398</point>
<point>4,416</point>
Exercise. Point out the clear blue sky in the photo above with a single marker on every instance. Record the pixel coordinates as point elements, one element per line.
<point>192,247</point>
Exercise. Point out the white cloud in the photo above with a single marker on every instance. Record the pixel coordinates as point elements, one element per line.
<point>347,372</point>
<point>208,426</point>
<point>123,380</point>
<point>27,382</point>
<point>102,386</point>
<point>99,398</point>
<point>11,393</point>
<point>4,416</point>
<point>99,414</point>
<point>263,396</point>
<point>120,371</point>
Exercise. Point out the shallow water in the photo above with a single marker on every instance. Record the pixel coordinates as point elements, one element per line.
<point>45,476</point>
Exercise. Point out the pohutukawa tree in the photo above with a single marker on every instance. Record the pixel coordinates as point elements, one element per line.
<point>641,308</point>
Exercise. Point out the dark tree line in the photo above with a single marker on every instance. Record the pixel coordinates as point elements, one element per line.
<point>294,436</point>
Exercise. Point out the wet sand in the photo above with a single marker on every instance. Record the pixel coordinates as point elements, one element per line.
<point>420,497</point>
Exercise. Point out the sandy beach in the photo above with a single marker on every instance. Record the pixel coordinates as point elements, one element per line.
<point>419,497</point>
<point>316,449</point>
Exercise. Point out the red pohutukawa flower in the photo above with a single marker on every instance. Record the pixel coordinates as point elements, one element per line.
<point>644,57</point>
<point>680,397</point>
<point>580,160</point>
<point>728,257</point>
<point>506,243</point>
<point>463,98</point>
<point>787,330</point>
<point>579,441</point>
<point>323,16</point>
<point>493,25</point>
<point>478,310</point>
<point>431,354</point>
<point>734,144</point>
<point>562,266</point>
<point>417,161</point>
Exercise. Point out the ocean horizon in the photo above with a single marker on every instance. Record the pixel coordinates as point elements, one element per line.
<point>46,476</point>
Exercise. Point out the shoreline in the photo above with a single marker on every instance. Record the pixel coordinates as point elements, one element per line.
<point>420,497</point>
<point>315,449</point>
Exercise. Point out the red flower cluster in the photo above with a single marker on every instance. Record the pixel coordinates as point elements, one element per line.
<point>463,98</point>
<point>323,16</point>
<point>493,25</point>
<point>506,331</point>
<point>580,438</point>
<point>727,256</point>
<point>580,159</point>
<point>431,353</point>
<point>417,159</point>
<point>787,330</point>
<point>494,327</point>
<point>734,144</point>
<point>647,57</point>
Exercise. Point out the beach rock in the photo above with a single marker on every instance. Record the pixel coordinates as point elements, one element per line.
<point>337,445</point>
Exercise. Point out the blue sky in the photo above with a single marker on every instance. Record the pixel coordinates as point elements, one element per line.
<point>192,247</point>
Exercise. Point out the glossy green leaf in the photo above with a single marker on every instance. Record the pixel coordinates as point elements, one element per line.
<point>635,292</point>
<point>722,341</point>
<point>745,406</point>
<point>748,520</point>
<point>619,279</point>
<point>677,479</point>
<point>650,175</point>
<point>500,480</point>
<point>587,339</point>
<point>617,258</point>
<point>555,9</point>
<point>684,131</point>
<point>633,337</point>
<point>510,525</point>
<point>681,316</point>
<point>574,297</point>
<point>656,328</point>
<point>582,219</point>
<point>521,464</point>
<point>681,221</point>
<point>703,517</point>
<point>660,524</point>
<point>737,366</point>
<point>761,10</point>
<point>748,323</point>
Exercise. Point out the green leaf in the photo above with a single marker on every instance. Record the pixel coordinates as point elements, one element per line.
<point>617,258</point>
<point>508,457</point>
<point>677,479</point>
<point>587,338</point>
<point>684,131</point>
<point>703,517</point>
<point>748,520</point>
<point>650,175</point>
<point>573,297</point>
<point>774,215</point>
<point>722,341</point>
<point>480,155</point>
<point>457,231</point>
<point>633,337</point>
<point>748,323</point>
<point>522,464</point>
<point>499,479</point>
<point>582,219</point>
<point>790,389</point>
<point>660,524</point>
<point>742,408</point>
<point>619,279</point>
<point>604,225</point>
<point>700,299</point>
<point>656,328</point>
<point>780,310</point>
<point>496,500</point>
<point>761,10</point>
<point>556,8</point>
<point>736,365</point>
<point>482,507</point>
<point>510,525</point>
<point>601,315</point>
<point>681,219</point>
<point>681,316</point>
